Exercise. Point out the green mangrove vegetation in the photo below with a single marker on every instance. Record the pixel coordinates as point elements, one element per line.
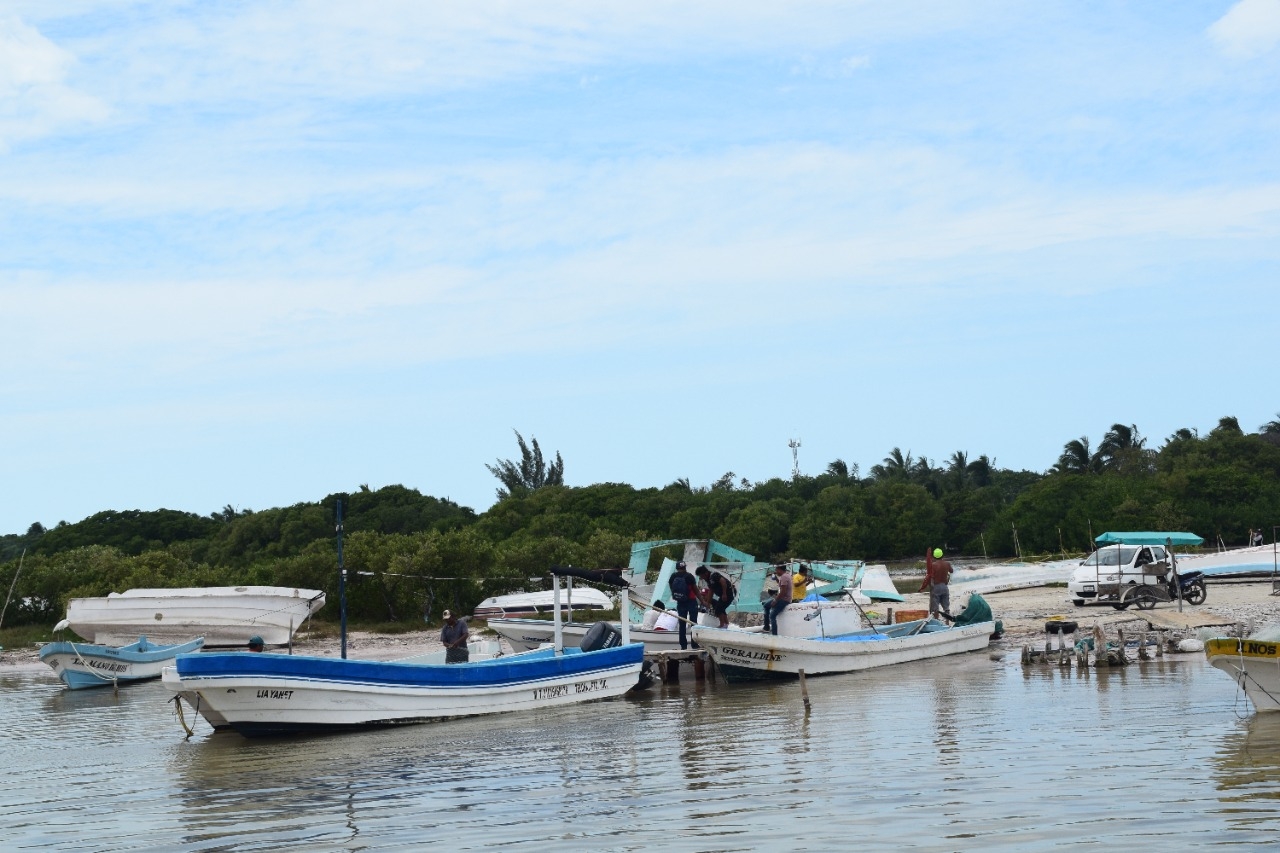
<point>411,555</point>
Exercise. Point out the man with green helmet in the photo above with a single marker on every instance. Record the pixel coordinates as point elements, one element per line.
<point>937,576</point>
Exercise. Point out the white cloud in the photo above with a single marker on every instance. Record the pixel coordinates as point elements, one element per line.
<point>34,97</point>
<point>1250,28</point>
<point>336,50</point>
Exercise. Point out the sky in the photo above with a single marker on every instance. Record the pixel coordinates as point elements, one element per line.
<point>252,254</point>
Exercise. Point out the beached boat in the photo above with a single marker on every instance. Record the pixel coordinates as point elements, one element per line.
<point>1254,561</point>
<point>1254,665</point>
<point>753,657</point>
<point>224,616</point>
<point>82,665</point>
<point>527,603</point>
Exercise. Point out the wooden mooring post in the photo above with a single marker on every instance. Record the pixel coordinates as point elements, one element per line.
<point>804,691</point>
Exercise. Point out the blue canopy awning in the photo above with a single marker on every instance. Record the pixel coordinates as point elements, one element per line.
<point>1146,537</point>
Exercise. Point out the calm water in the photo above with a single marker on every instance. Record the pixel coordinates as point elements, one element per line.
<point>958,754</point>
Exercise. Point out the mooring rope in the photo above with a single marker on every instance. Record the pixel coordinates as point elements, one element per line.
<point>1244,673</point>
<point>182,717</point>
<point>87,666</point>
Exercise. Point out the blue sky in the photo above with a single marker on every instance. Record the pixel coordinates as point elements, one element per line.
<point>256,253</point>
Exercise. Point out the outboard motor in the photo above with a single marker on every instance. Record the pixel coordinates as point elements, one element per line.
<point>599,636</point>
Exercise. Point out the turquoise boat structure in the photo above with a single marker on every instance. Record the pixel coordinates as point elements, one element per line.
<point>81,665</point>
<point>832,578</point>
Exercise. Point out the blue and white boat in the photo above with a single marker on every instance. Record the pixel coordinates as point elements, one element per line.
<point>270,694</point>
<point>82,665</point>
<point>754,657</point>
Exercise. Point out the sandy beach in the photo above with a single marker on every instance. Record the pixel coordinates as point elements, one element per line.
<point>1238,607</point>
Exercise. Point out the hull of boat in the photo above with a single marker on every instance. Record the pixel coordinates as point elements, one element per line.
<point>1255,561</point>
<point>521,604</point>
<point>224,616</point>
<point>479,649</point>
<point>1254,665</point>
<point>81,665</point>
<point>269,695</point>
<point>767,656</point>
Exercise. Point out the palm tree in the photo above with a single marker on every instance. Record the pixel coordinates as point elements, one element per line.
<point>1122,448</point>
<point>838,468</point>
<point>1078,458</point>
<point>980,471</point>
<point>895,466</point>
<point>532,472</point>
<point>1271,430</point>
<point>1227,426</point>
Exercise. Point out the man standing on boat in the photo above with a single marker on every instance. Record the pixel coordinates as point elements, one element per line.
<point>937,577</point>
<point>454,635</point>
<point>722,593</point>
<point>780,600</point>
<point>684,590</point>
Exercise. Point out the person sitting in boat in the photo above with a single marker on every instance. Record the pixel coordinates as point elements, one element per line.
<point>1257,537</point>
<point>666,620</point>
<point>454,635</point>
<point>255,644</point>
<point>800,583</point>
<point>651,618</point>
<point>720,593</point>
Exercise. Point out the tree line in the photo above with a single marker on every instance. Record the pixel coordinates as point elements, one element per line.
<point>412,555</point>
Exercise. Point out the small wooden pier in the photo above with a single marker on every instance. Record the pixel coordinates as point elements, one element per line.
<point>667,664</point>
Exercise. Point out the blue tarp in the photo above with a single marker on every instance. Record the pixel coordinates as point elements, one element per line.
<point>1147,537</point>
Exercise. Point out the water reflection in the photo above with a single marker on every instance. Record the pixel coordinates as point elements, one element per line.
<point>1249,757</point>
<point>961,754</point>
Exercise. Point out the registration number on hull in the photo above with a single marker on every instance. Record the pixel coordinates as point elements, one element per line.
<point>543,693</point>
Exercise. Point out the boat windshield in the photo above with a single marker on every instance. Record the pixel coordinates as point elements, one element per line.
<point>1110,557</point>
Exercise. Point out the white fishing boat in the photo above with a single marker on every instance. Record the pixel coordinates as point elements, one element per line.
<point>81,665</point>
<point>266,694</point>
<point>520,604</point>
<point>276,694</point>
<point>224,616</point>
<point>1253,664</point>
<point>753,657</point>
<point>478,649</point>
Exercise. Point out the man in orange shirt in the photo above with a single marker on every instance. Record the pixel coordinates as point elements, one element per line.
<point>937,576</point>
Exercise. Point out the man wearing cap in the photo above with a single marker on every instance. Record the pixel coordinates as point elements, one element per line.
<point>937,576</point>
<point>454,637</point>
<point>779,601</point>
<point>684,590</point>
<point>255,644</point>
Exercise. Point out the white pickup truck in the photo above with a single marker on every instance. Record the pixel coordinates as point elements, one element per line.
<point>1104,572</point>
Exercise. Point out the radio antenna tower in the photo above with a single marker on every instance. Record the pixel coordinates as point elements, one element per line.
<point>794,444</point>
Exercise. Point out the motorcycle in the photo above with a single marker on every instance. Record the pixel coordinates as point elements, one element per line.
<point>1166,587</point>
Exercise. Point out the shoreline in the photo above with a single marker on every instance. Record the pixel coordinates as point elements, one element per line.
<point>1243,606</point>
